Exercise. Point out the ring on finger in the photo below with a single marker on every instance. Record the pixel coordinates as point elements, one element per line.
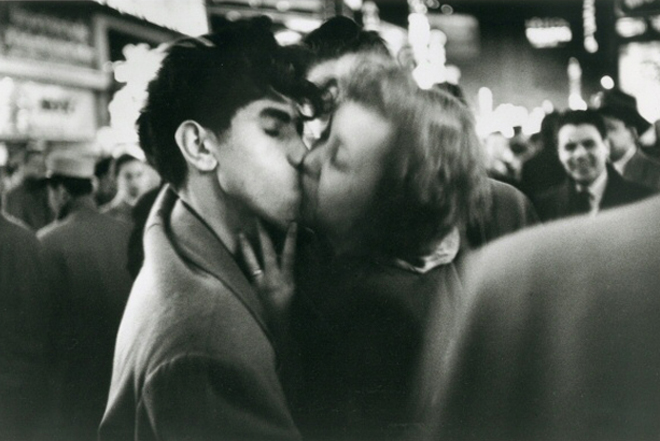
<point>256,273</point>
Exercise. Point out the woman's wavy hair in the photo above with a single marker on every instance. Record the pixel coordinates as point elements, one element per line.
<point>207,79</point>
<point>434,178</point>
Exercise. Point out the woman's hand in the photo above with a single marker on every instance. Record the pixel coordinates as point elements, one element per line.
<point>274,282</point>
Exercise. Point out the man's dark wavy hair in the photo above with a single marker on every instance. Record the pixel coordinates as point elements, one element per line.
<point>207,79</point>
<point>340,36</point>
<point>580,117</point>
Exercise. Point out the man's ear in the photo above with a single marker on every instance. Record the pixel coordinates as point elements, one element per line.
<point>192,140</point>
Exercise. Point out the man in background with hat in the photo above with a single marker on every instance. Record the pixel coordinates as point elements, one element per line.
<point>624,126</point>
<point>86,254</point>
<point>28,200</point>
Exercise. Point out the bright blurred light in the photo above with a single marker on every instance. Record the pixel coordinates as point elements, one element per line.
<point>485,101</point>
<point>628,27</point>
<point>575,102</point>
<point>607,82</point>
<point>547,32</point>
<point>547,106</point>
<point>302,24</point>
<point>187,17</point>
<point>355,5</point>
<point>283,5</point>
<point>4,154</point>
<point>590,44</point>
<point>424,76</point>
<point>288,37</point>
<point>534,120</point>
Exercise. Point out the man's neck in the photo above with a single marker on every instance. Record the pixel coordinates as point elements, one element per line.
<point>225,217</point>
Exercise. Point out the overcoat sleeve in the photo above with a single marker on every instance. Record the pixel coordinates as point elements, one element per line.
<point>197,397</point>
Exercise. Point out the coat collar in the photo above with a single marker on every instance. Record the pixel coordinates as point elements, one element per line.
<point>197,245</point>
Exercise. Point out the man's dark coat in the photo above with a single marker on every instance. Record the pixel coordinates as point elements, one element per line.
<point>194,359</point>
<point>561,201</point>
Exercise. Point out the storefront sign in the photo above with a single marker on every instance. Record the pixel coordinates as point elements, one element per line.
<point>28,33</point>
<point>35,110</point>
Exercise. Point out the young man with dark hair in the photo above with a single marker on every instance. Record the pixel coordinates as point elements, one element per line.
<point>86,254</point>
<point>591,183</point>
<point>196,355</point>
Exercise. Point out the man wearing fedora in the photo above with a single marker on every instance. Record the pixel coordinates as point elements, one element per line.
<point>86,254</point>
<point>624,126</point>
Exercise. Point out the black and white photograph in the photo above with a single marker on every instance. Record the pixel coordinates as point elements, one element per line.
<point>329,220</point>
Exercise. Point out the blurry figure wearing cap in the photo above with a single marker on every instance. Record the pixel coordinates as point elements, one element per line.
<point>28,201</point>
<point>624,126</point>
<point>86,253</point>
<point>132,178</point>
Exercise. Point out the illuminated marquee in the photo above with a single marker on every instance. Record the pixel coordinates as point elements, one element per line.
<point>548,32</point>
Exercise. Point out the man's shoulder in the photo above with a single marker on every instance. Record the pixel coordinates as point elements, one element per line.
<point>16,231</point>
<point>556,192</point>
<point>177,310</point>
<point>567,246</point>
<point>622,190</point>
<point>49,234</point>
<point>553,202</point>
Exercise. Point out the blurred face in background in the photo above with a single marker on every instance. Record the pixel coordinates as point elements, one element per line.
<point>621,137</point>
<point>132,181</point>
<point>583,152</point>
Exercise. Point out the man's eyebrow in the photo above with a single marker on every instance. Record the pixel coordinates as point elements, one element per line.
<point>272,112</point>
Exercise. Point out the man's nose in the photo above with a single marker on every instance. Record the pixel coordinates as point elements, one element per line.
<point>580,151</point>
<point>296,153</point>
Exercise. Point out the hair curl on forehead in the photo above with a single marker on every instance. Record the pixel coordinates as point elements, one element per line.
<point>208,79</point>
<point>434,177</point>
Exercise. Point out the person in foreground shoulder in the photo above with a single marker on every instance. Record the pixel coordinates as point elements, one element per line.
<point>592,184</point>
<point>194,356</point>
<point>559,341</point>
<point>25,302</point>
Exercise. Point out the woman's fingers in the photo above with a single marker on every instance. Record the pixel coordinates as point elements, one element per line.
<point>267,250</point>
<point>250,257</point>
<point>289,251</point>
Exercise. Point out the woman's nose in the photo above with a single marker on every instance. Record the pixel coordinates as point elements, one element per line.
<point>313,161</point>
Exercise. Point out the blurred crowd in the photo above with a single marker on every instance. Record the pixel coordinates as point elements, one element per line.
<point>179,298</point>
<point>66,234</point>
